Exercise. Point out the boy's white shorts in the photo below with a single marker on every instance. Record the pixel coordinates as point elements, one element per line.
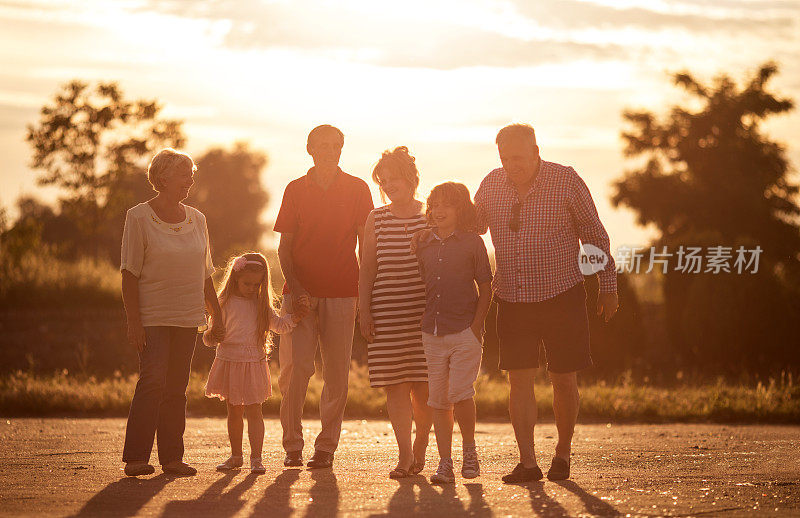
<point>453,364</point>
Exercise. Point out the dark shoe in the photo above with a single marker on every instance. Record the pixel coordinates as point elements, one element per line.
<point>523,474</point>
<point>137,469</point>
<point>320,459</point>
<point>179,468</point>
<point>559,469</point>
<point>294,459</point>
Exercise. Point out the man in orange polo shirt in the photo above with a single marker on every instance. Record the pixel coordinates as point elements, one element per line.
<point>321,217</point>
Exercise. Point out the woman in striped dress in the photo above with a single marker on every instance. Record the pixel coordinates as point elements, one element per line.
<point>391,303</point>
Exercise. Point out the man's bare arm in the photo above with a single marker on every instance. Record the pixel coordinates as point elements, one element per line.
<point>287,265</point>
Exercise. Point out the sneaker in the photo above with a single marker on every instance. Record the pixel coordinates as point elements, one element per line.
<point>256,466</point>
<point>523,474</point>
<point>444,473</point>
<point>233,462</point>
<point>470,468</point>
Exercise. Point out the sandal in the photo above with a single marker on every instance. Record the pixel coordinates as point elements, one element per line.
<point>416,468</point>
<point>399,472</point>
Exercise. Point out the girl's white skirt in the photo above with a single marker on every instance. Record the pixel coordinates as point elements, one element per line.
<point>239,383</point>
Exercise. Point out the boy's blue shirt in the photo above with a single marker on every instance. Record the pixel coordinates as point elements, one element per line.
<point>450,267</point>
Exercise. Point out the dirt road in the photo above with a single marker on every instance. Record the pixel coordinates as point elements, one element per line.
<point>72,467</point>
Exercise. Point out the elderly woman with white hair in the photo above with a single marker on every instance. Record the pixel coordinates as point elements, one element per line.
<point>166,287</point>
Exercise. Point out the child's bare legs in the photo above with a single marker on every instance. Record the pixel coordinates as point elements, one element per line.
<point>398,406</point>
<point>464,412</point>
<point>423,417</point>
<point>443,428</point>
<point>235,428</point>
<point>255,430</point>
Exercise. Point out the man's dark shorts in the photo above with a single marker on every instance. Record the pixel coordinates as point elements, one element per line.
<point>561,323</point>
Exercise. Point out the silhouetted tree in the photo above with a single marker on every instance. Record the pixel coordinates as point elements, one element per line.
<point>228,190</point>
<point>94,144</point>
<point>712,178</point>
<point>24,235</point>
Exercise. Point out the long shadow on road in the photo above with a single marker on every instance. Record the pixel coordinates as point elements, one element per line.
<point>213,502</point>
<point>594,505</point>
<point>324,495</point>
<point>278,495</point>
<point>416,496</point>
<point>543,505</point>
<point>124,497</point>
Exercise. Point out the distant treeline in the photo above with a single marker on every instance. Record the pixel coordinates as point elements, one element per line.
<point>711,178</point>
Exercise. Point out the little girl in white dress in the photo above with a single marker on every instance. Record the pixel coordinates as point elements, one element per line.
<point>240,372</point>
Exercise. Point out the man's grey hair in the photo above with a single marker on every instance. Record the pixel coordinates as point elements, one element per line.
<point>516,131</point>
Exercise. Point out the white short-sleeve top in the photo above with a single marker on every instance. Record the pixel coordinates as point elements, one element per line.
<point>172,262</point>
<point>241,343</point>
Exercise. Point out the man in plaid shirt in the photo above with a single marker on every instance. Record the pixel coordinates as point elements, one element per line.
<point>536,213</point>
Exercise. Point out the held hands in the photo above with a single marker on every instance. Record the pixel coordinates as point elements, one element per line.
<point>301,306</point>
<point>216,331</point>
<point>136,335</point>
<point>367,325</point>
<point>607,305</point>
<point>424,233</point>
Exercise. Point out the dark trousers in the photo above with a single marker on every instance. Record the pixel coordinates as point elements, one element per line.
<point>159,402</point>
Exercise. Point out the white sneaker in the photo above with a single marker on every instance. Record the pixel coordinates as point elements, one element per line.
<point>233,462</point>
<point>256,466</point>
<point>444,473</point>
<point>470,468</point>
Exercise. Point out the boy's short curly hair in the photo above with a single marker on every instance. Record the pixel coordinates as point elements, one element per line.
<point>456,195</point>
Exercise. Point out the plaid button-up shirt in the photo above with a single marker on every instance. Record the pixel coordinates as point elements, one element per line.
<point>541,259</point>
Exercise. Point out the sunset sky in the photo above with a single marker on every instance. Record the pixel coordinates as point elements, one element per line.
<point>440,77</point>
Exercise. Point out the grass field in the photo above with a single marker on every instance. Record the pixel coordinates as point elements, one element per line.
<point>777,401</point>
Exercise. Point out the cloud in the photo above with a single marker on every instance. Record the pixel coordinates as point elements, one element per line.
<point>381,38</point>
<point>712,16</point>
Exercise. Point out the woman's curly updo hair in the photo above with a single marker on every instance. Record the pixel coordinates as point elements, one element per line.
<point>399,161</point>
<point>455,195</point>
<point>163,165</point>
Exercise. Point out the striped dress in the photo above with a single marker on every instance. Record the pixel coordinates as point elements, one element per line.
<point>398,301</point>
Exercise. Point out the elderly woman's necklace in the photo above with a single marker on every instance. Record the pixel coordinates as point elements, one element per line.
<point>174,228</point>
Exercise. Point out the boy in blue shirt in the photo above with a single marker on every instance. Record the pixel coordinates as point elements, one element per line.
<point>452,261</point>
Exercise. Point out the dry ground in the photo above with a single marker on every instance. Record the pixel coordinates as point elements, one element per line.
<point>71,467</point>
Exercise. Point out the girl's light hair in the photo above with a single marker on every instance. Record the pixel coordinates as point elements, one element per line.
<point>163,164</point>
<point>265,297</point>
<point>456,195</point>
<point>401,163</point>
